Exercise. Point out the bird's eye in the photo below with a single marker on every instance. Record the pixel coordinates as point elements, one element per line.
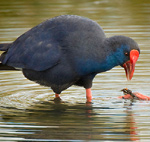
<point>126,53</point>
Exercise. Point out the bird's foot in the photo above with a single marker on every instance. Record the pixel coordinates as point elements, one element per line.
<point>57,100</point>
<point>140,96</point>
<point>127,96</point>
<point>133,96</point>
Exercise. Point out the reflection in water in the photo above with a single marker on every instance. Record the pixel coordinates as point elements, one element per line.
<point>26,110</point>
<point>49,121</point>
<point>132,125</point>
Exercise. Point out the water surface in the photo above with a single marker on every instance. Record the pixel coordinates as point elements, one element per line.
<point>27,110</point>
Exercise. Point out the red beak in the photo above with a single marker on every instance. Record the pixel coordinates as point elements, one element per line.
<point>129,66</point>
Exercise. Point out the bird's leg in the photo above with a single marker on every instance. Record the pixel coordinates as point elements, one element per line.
<point>57,96</point>
<point>88,95</point>
<point>57,99</point>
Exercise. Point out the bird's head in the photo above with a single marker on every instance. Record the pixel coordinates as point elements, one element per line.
<point>126,53</point>
<point>129,65</point>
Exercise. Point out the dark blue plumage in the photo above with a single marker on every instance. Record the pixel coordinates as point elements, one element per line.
<point>66,50</point>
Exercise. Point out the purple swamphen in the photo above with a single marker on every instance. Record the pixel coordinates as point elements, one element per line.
<point>68,50</point>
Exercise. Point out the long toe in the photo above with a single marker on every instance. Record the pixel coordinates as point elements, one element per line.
<point>141,96</point>
<point>128,96</point>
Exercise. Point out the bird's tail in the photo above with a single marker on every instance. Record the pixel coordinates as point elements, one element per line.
<point>5,67</point>
<point>4,47</point>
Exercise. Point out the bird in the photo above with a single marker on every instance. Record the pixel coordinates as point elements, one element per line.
<point>68,50</point>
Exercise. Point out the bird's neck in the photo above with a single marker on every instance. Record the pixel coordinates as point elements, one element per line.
<point>106,64</point>
<point>103,61</point>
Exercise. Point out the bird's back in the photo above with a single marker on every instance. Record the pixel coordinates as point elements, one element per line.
<point>43,46</point>
<point>77,34</point>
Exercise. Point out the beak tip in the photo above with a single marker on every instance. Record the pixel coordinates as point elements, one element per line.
<point>129,78</point>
